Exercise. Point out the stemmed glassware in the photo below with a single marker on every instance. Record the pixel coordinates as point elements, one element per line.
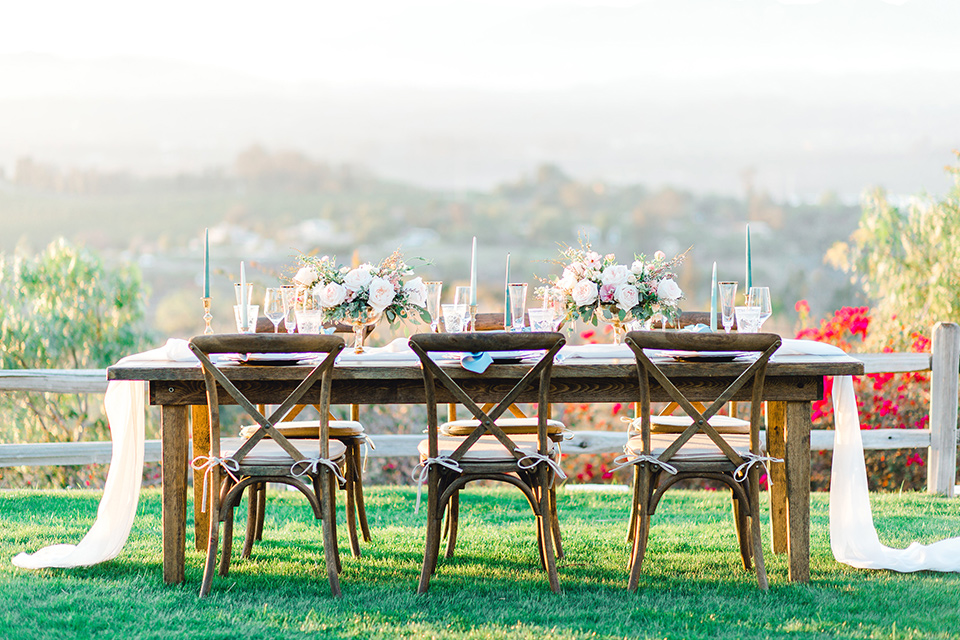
<point>461,296</point>
<point>760,297</point>
<point>518,304</point>
<point>273,307</point>
<point>289,293</point>
<point>728,295</point>
<point>433,303</point>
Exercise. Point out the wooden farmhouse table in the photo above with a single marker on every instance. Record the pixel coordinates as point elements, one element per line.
<point>792,383</point>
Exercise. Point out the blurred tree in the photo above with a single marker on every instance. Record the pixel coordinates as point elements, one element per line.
<point>907,262</point>
<point>64,309</point>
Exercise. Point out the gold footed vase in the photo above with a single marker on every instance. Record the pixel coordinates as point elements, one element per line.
<point>360,325</point>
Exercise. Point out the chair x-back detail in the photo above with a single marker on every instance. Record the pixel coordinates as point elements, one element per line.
<point>233,465</point>
<point>698,448</point>
<point>527,461</point>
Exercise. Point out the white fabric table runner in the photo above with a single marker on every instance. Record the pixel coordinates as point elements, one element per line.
<point>853,537</point>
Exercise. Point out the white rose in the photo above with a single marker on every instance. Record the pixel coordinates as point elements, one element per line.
<point>636,267</point>
<point>568,281</point>
<point>668,290</point>
<point>381,294</point>
<point>584,292</point>
<point>332,295</point>
<point>358,278</point>
<point>306,276</point>
<point>626,296</point>
<point>416,292</point>
<point>615,275</point>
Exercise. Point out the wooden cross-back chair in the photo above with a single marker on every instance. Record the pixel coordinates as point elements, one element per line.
<point>350,432</point>
<point>527,461</point>
<point>266,455</point>
<point>698,450</point>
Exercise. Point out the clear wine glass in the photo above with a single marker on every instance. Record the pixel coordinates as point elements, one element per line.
<point>273,307</point>
<point>728,296</point>
<point>760,297</point>
<point>433,303</point>
<point>289,293</point>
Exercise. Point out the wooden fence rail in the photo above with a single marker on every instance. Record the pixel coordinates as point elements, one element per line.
<point>940,438</point>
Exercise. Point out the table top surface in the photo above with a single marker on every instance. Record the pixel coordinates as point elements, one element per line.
<point>779,366</point>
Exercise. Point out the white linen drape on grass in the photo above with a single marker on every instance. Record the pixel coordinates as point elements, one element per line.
<point>125,411</point>
<point>853,537</point>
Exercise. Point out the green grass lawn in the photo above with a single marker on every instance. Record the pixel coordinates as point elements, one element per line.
<point>692,585</point>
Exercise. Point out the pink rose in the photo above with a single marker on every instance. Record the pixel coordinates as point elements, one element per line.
<point>615,275</point>
<point>607,292</point>
<point>627,296</point>
<point>584,293</point>
<point>358,278</point>
<point>659,256</point>
<point>332,295</point>
<point>381,294</point>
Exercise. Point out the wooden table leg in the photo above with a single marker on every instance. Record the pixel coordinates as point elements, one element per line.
<point>776,447</point>
<point>201,447</point>
<point>798,490</point>
<point>173,433</point>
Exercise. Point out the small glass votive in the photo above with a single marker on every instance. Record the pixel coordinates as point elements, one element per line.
<point>454,316</point>
<point>748,319</point>
<point>253,312</point>
<point>541,319</point>
<point>309,321</point>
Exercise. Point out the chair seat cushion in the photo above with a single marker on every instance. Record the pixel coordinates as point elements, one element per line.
<point>509,425</point>
<point>699,448</point>
<point>486,449</point>
<point>268,453</point>
<point>310,429</point>
<point>677,424</point>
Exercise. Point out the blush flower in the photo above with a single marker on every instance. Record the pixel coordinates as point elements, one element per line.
<point>584,292</point>
<point>381,294</point>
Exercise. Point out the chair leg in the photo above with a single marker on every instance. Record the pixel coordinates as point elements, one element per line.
<point>253,511</point>
<point>213,536</point>
<point>555,520</point>
<point>227,543</point>
<point>351,487</point>
<point>741,522</point>
<point>545,522</point>
<point>642,528</point>
<point>261,509</point>
<point>358,489</point>
<point>632,523</point>
<point>754,494</point>
<point>453,521</point>
<point>434,516</point>
<point>328,508</point>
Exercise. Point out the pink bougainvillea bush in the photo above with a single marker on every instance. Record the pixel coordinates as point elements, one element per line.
<point>885,400</point>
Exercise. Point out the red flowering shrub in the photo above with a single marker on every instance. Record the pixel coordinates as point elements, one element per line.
<point>885,401</point>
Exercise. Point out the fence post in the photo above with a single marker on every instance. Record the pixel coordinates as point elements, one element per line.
<point>942,464</point>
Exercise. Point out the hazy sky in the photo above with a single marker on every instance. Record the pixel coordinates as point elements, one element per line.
<point>498,44</point>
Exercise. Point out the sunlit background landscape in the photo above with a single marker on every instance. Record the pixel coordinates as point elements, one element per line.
<point>356,128</point>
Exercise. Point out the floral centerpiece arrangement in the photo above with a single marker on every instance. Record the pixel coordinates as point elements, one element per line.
<point>361,296</point>
<point>595,287</point>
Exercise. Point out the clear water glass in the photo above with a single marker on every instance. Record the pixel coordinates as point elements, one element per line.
<point>541,319</point>
<point>748,319</point>
<point>454,317</point>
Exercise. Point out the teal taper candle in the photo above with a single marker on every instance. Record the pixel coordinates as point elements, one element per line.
<point>749,264</point>
<point>713,299</point>
<point>507,318</point>
<point>206,263</point>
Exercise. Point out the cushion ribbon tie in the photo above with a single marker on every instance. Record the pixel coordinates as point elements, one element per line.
<point>740,473</point>
<point>312,466</point>
<point>207,464</point>
<point>532,459</point>
<point>626,459</point>
<point>422,471</point>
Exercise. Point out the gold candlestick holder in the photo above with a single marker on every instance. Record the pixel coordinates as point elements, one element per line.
<point>207,316</point>
<point>473,317</point>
